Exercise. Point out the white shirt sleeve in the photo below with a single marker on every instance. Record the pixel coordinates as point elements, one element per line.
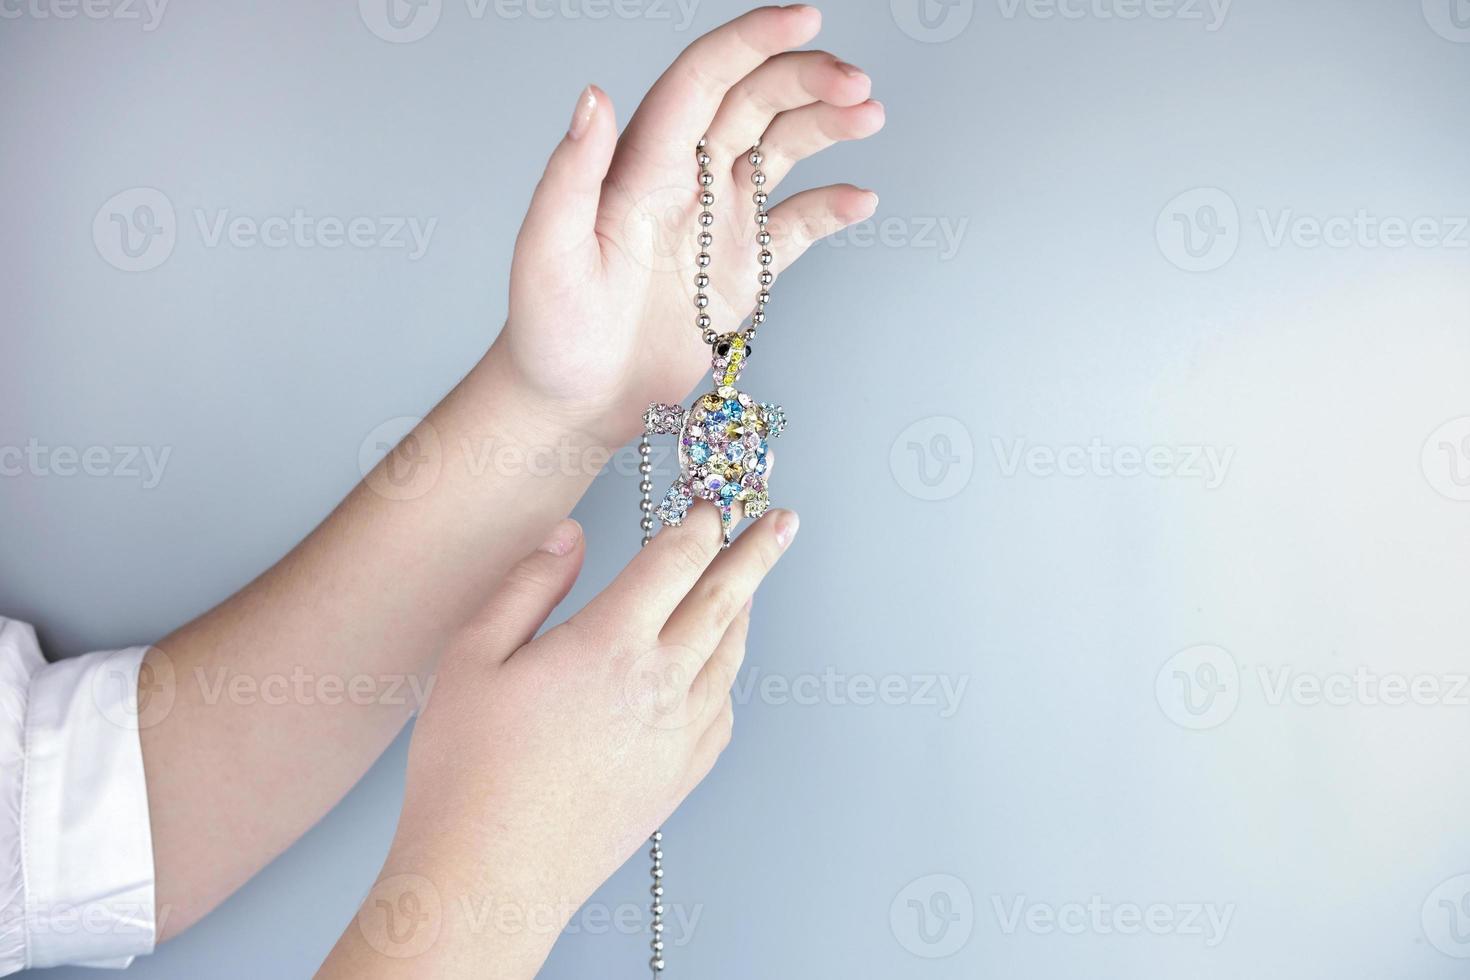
<point>76,847</point>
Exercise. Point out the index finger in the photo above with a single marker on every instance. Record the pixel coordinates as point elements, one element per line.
<point>661,575</point>
<point>680,106</point>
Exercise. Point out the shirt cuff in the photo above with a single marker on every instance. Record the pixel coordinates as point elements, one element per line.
<point>86,840</point>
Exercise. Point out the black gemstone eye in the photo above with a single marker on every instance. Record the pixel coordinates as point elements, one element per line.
<point>749,350</point>
<point>723,348</point>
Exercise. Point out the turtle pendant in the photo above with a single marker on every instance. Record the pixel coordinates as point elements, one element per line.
<point>722,444</point>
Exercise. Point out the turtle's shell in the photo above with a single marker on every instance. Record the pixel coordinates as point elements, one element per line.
<point>722,445</point>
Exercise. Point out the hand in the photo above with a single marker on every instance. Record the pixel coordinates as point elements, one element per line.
<point>540,766</point>
<point>601,306</point>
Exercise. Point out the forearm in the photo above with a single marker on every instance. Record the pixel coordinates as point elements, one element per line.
<point>291,688</point>
<point>429,915</point>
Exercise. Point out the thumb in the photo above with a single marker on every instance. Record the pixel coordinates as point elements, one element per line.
<point>527,594</point>
<point>563,210</point>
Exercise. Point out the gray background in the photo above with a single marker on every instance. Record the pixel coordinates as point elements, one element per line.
<point>1054,149</point>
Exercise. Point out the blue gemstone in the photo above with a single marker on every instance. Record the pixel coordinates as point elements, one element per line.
<point>736,451</point>
<point>734,409</point>
<point>715,418</point>
<point>674,506</point>
<point>729,490</point>
<point>699,452</point>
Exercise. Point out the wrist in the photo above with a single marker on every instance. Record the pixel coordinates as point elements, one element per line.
<point>443,915</point>
<point>537,417</point>
<point>498,430</point>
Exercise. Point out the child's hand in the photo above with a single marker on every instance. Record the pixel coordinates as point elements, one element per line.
<point>540,766</point>
<point>601,307</point>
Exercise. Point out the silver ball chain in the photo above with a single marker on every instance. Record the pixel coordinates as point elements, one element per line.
<point>705,325</point>
<point>655,851</point>
<point>702,321</point>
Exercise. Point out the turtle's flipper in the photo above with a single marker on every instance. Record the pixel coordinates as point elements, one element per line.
<point>774,417</point>
<point>675,505</point>
<point>727,521</point>
<point>663,420</point>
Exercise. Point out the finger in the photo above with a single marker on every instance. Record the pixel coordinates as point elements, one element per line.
<point>563,209</point>
<point>787,81</point>
<point>711,745</point>
<point>661,575</point>
<point>800,133</point>
<point>718,675</point>
<point>712,605</point>
<point>678,109</point>
<point>807,217</point>
<point>527,595</point>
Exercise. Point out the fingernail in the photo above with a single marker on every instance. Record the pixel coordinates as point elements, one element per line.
<point>850,70</point>
<point>874,195</point>
<point>582,114</point>
<point>786,526</point>
<point>563,538</point>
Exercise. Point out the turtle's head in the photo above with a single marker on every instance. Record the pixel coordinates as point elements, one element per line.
<point>730,351</point>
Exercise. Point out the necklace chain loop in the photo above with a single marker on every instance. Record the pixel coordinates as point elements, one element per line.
<point>703,322</point>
